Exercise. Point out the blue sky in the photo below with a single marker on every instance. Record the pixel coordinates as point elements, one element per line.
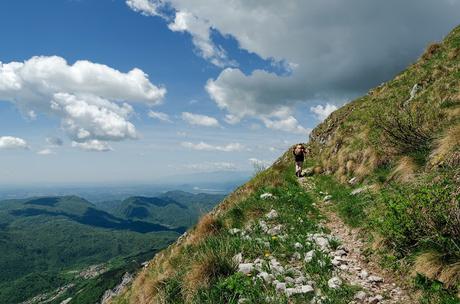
<point>234,86</point>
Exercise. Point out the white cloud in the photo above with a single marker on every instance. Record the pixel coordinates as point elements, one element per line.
<point>200,30</point>
<point>202,146</point>
<point>329,50</point>
<point>160,116</point>
<point>322,111</point>
<point>92,145</point>
<point>89,98</point>
<point>289,124</point>
<point>145,7</point>
<point>90,117</point>
<point>200,120</point>
<point>10,142</point>
<point>45,152</point>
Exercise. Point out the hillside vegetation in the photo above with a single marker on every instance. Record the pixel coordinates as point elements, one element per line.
<point>63,247</point>
<point>390,164</point>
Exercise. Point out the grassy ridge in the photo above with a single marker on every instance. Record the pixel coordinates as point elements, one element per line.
<point>400,144</point>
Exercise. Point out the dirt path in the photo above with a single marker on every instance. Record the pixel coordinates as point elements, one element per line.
<point>378,286</point>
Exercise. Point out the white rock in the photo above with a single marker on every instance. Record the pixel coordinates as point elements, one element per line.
<point>340,252</point>
<point>246,268</point>
<point>359,190</point>
<point>272,214</point>
<point>290,291</point>
<point>288,279</point>
<point>274,262</point>
<point>375,279</point>
<point>263,225</point>
<point>267,277</point>
<point>363,274</point>
<point>376,299</point>
<point>267,196</point>
<point>296,256</point>
<point>298,245</point>
<point>322,242</point>
<point>300,280</point>
<point>309,256</point>
<point>343,267</point>
<point>238,258</point>
<point>277,269</point>
<point>353,181</point>
<point>334,282</point>
<point>306,289</point>
<point>234,231</point>
<point>275,230</point>
<point>327,198</point>
<point>360,296</point>
<point>243,300</point>
<point>281,287</point>
<point>336,261</point>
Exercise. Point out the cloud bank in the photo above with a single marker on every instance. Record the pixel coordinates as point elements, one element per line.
<point>326,50</point>
<point>89,98</point>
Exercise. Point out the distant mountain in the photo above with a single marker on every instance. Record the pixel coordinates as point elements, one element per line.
<point>174,208</point>
<point>47,241</point>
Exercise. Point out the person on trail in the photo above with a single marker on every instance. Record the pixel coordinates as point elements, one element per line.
<point>299,152</point>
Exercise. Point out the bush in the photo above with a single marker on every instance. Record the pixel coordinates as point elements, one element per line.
<point>407,130</point>
<point>425,215</point>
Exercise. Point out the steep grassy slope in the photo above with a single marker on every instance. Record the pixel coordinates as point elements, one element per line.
<point>390,161</point>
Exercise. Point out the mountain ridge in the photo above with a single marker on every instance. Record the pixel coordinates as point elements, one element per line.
<point>387,163</point>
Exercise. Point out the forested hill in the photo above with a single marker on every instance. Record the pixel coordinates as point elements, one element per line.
<point>53,248</point>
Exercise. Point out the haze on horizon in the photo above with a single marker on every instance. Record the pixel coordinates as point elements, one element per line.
<point>138,90</point>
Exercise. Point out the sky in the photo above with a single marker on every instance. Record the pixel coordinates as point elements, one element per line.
<point>101,91</point>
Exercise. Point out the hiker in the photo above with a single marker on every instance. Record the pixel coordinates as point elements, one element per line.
<point>299,152</point>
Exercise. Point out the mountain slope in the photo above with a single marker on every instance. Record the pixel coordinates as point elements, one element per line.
<point>387,163</point>
<point>44,238</point>
<point>173,208</point>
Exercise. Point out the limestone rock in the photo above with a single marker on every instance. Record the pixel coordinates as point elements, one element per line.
<point>334,283</point>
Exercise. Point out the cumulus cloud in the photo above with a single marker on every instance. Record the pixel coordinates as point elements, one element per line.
<point>203,146</point>
<point>200,30</point>
<point>289,124</point>
<point>200,120</point>
<point>10,142</point>
<point>145,7</point>
<point>90,98</point>
<point>328,50</point>
<point>322,111</point>
<point>160,116</point>
<point>92,145</point>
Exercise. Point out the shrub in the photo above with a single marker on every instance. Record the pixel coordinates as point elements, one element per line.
<point>407,130</point>
<point>425,215</point>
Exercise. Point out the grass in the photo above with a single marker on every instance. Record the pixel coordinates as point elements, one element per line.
<point>204,271</point>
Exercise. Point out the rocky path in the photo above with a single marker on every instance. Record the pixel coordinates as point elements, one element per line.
<point>378,286</point>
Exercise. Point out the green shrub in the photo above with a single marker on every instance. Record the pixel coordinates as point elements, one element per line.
<point>425,215</point>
